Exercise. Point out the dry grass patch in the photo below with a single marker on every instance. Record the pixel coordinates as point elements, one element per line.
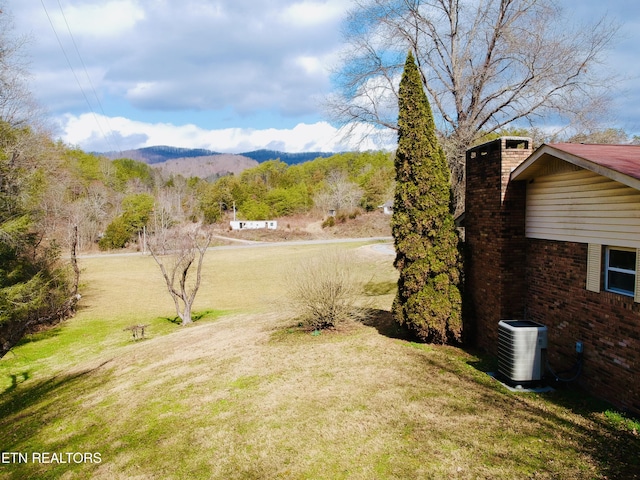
<point>119,291</point>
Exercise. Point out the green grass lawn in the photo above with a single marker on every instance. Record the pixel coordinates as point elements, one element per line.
<point>244,393</point>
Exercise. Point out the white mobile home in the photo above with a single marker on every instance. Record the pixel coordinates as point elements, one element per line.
<point>253,224</point>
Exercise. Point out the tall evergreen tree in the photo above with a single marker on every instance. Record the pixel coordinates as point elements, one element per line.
<point>428,301</point>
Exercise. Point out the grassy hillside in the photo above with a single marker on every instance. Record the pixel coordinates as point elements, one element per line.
<point>244,393</point>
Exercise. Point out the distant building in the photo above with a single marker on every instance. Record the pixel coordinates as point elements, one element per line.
<point>387,207</point>
<point>253,224</point>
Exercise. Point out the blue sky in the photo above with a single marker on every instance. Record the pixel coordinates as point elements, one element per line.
<point>228,75</point>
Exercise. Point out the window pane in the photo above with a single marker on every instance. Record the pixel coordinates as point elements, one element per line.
<point>621,282</point>
<point>625,259</point>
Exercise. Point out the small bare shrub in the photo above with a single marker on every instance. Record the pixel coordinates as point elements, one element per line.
<point>324,291</point>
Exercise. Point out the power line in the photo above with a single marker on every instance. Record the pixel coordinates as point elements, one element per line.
<point>95,94</point>
<point>64,52</point>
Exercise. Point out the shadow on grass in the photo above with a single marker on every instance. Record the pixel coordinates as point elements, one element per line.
<point>212,314</point>
<point>383,322</point>
<point>16,379</point>
<point>44,334</point>
<point>26,409</point>
<point>616,450</point>
<point>482,362</point>
<point>174,320</point>
<point>568,418</point>
<point>30,395</point>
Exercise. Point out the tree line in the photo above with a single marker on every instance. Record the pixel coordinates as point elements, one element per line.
<point>342,182</point>
<point>93,200</point>
<point>56,200</point>
<point>36,288</point>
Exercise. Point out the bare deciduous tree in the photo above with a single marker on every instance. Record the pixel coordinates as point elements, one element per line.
<point>484,64</point>
<point>17,105</point>
<point>340,195</point>
<point>606,136</point>
<point>188,248</point>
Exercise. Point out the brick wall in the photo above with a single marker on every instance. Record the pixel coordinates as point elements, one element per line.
<point>510,277</point>
<point>608,324</point>
<point>495,242</point>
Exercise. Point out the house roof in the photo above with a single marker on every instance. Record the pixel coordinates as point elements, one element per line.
<point>618,162</point>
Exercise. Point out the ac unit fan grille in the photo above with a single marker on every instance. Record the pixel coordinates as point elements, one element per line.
<point>520,350</point>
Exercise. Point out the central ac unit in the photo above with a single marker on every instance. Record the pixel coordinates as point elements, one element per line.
<point>521,350</point>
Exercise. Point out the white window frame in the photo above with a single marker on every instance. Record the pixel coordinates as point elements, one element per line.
<point>598,268</point>
<point>608,268</point>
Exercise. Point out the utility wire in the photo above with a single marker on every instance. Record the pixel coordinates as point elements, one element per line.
<point>86,73</point>
<point>64,52</point>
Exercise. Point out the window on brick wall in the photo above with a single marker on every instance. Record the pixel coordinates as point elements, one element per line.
<point>614,269</point>
<point>620,270</point>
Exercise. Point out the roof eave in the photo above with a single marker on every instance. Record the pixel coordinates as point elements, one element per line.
<point>521,171</point>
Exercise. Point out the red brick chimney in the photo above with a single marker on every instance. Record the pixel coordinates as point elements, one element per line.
<point>494,239</point>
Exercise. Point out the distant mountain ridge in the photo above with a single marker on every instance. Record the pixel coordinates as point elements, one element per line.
<point>159,154</point>
<point>288,158</point>
<point>163,153</point>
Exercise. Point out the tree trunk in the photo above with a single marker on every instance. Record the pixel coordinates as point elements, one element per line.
<point>185,316</point>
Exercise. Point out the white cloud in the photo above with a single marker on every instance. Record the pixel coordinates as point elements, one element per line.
<point>240,63</point>
<point>309,13</point>
<point>202,55</point>
<point>99,133</point>
<point>226,63</point>
<point>104,19</point>
<point>311,65</point>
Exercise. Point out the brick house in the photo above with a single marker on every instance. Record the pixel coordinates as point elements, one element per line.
<point>553,236</point>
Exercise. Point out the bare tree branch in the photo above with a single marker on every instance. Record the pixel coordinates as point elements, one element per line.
<point>17,105</point>
<point>485,65</point>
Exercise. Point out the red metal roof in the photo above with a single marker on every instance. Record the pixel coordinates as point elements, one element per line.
<point>620,158</point>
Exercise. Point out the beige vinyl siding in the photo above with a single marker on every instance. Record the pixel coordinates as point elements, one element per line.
<point>584,207</point>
